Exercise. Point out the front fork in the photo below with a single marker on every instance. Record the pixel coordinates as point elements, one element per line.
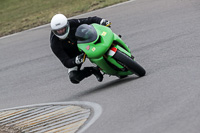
<point>84,57</point>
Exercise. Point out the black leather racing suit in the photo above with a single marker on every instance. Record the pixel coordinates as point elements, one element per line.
<point>66,50</point>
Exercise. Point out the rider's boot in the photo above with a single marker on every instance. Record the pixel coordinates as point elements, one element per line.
<point>97,74</point>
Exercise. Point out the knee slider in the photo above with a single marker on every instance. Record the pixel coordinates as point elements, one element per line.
<point>73,77</point>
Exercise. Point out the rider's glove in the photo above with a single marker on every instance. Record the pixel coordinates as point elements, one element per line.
<point>79,59</point>
<point>105,23</point>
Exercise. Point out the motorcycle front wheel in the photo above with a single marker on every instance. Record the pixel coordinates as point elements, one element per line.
<point>129,63</point>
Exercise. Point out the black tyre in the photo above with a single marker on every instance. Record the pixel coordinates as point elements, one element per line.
<point>129,63</point>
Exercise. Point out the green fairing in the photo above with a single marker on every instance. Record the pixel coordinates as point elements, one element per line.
<point>121,43</point>
<point>96,50</point>
<point>104,66</point>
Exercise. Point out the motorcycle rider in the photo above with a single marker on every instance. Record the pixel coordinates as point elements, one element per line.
<point>64,45</point>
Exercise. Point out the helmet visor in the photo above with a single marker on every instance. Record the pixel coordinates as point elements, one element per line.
<point>62,31</point>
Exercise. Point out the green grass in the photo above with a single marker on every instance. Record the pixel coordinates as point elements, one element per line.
<point>19,15</point>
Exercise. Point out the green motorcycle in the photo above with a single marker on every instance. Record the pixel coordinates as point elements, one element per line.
<point>107,50</point>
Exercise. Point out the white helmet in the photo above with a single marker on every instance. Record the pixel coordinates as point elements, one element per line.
<point>60,22</point>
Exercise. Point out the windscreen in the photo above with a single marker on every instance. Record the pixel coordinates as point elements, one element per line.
<point>86,33</point>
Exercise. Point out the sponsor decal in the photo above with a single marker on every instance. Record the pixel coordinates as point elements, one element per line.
<point>104,33</point>
<point>93,49</point>
<point>88,47</point>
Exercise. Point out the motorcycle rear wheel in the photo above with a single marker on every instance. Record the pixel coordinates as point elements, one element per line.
<point>129,63</point>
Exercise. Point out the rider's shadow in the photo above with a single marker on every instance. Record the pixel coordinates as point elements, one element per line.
<point>102,87</point>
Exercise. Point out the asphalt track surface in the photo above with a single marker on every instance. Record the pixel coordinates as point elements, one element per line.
<point>163,36</point>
